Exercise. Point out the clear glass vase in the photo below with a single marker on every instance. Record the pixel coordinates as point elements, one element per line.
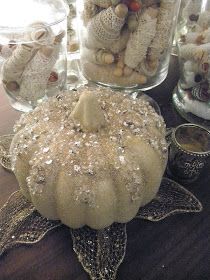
<point>192,94</point>
<point>126,43</point>
<point>33,50</point>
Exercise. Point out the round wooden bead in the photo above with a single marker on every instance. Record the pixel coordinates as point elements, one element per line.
<point>118,72</point>
<point>121,10</point>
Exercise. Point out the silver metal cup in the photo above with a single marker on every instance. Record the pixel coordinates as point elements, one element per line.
<point>188,152</point>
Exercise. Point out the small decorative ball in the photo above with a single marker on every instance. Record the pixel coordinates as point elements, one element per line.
<point>12,86</point>
<point>53,77</point>
<point>134,6</point>
<point>121,10</point>
<point>118,72</point>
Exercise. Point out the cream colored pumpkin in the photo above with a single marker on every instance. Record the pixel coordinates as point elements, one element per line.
<point>90,157</point>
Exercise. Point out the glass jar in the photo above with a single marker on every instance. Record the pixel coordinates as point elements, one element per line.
<point>32,50</point>
<point>192,94</point>
<point>126,43</point>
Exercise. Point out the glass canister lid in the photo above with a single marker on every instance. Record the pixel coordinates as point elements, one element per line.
<point>19,17</point>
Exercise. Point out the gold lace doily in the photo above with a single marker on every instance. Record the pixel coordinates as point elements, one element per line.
<point>99,252</point>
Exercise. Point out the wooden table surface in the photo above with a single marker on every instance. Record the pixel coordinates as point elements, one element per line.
<point>175,248</point>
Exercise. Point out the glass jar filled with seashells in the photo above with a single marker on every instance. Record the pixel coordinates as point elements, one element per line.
<point>126,43</point>
<point>192,94</point>
<point>32,50</point>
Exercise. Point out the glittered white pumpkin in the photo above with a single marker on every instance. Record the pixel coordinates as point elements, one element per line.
<point>91,157</point>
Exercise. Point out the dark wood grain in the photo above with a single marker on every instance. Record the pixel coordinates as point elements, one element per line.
<point>177,248</point>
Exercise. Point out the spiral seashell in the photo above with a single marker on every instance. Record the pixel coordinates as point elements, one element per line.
<point>104,29</point>
<point>201,93</point>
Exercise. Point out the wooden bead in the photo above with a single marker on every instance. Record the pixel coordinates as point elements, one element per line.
<point>120,64</point>
<point>121,10</point>
<point>108,58</point>
<point>127,71</point>
<point>142,79</point>
<point>118,72</point>
<point>73,46</point>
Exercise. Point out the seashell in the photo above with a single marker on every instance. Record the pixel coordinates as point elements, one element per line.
<point>104,29</point>
<point>98,56</point>
<point>6,51</point>
<point>140,39</point>
<point>148,68</point>
<point>90,10</point>
<point>194,52</point>
<point>204,20</point>
<point>191,10</point>
<point>40,34</point>
<point>198,108</point>
<point>120,44</point>
<point>201,93</point>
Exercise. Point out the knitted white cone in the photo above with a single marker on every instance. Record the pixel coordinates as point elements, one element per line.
<point>161,40</point>
<point>35,76</point>
<point>104,29</point>
<point>140,40</point>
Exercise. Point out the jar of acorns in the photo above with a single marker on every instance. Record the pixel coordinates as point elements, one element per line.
<point>126,43</point>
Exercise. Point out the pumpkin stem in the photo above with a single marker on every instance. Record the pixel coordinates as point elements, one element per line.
<point>88,113</point>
